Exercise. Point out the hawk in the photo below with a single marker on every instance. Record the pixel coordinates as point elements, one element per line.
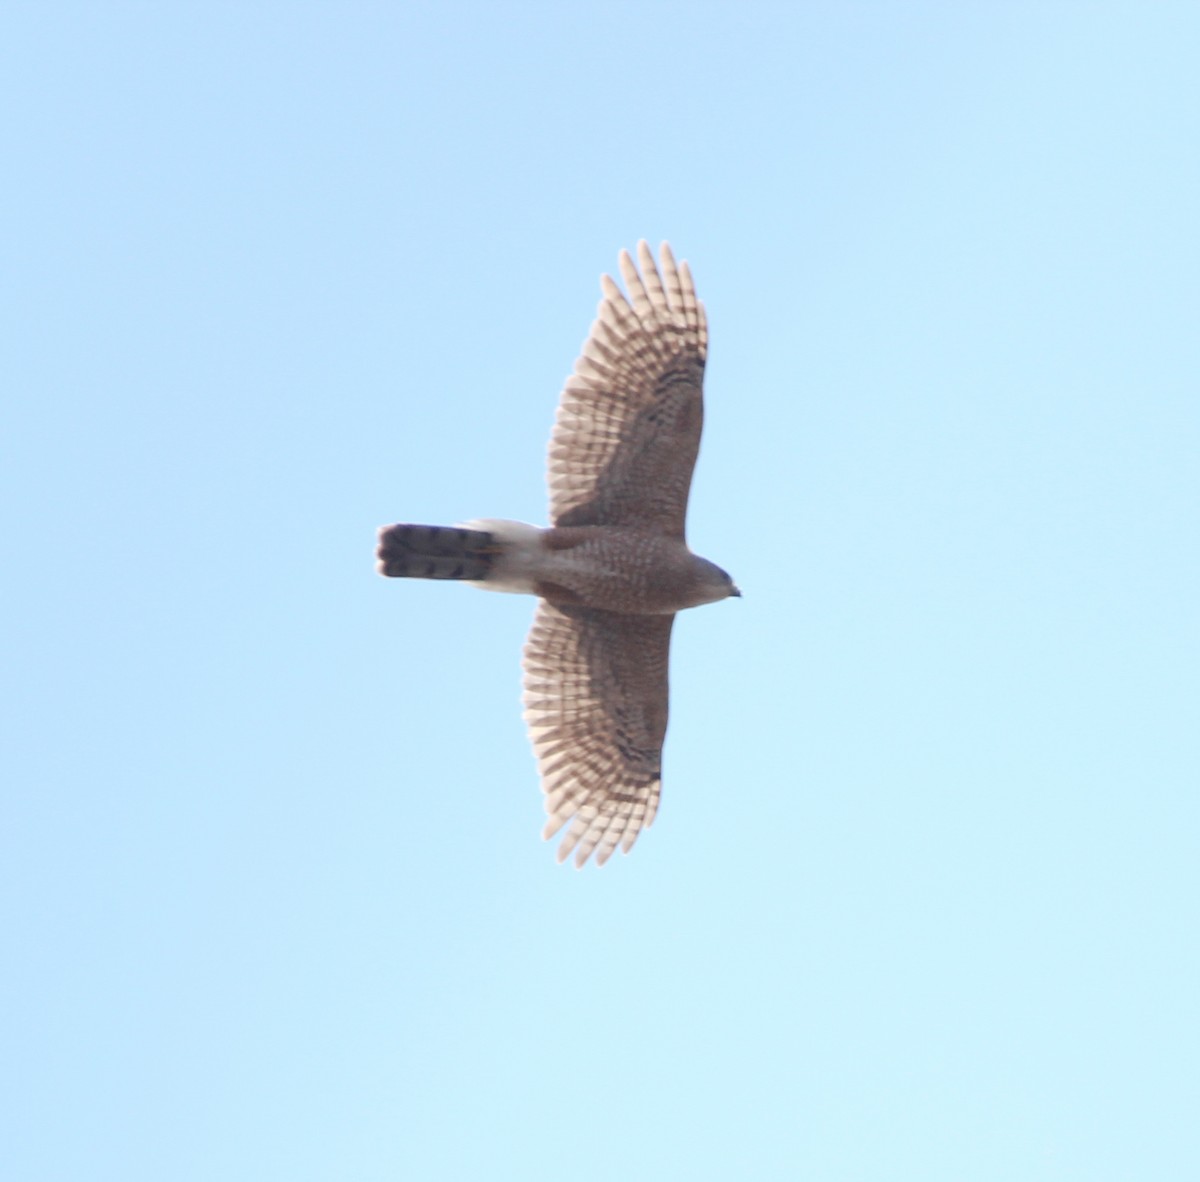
<point>613,569</point>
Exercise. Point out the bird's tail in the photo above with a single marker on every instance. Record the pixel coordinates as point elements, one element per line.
<point>436,552</point>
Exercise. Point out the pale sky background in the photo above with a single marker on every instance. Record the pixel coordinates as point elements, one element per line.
<point>922,900</point>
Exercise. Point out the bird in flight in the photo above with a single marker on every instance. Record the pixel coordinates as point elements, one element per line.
<point>613,569</point>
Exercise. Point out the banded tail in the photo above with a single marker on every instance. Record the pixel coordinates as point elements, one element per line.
<point>436,552</point>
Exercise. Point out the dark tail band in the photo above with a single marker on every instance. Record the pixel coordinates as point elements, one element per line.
<point>435,552</point>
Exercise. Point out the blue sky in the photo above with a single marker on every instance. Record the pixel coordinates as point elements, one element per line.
<point>922,898</point>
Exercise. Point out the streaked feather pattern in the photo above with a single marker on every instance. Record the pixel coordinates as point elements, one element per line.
<point>596,706</point>
<point>628,426</point>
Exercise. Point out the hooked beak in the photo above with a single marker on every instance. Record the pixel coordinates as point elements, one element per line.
<point>735,593</point>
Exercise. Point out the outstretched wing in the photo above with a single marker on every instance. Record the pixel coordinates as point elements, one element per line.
<point>629,420</point>
<point>596,705</point>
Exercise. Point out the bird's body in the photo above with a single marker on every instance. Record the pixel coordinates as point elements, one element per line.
<point>610,568</point>
<point>613,569</point>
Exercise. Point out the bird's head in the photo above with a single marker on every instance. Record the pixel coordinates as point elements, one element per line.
<point>714,583</point>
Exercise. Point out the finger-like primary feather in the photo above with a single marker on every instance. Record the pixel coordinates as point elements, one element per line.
<point>628,427</point>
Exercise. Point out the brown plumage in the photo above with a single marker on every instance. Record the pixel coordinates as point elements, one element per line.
<point>613,569</point>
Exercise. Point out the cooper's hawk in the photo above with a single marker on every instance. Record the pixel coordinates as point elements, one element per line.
<point>613,569</point>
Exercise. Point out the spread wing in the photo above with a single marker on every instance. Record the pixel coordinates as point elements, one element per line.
<point>596,705</point>
<point>628,426</point>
